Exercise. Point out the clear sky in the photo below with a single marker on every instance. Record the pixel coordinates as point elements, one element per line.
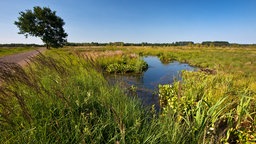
<point>140,20</point>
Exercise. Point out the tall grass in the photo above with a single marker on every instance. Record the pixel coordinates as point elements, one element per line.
<point>227,73</point>
<point>62,98</point>
<point>212,107</point>
<point>117,61</point>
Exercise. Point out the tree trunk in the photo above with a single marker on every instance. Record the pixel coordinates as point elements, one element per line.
<point>47,45</point>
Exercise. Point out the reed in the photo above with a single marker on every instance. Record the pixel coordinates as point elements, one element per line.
<point>62,97</point>
<point>64,100</point>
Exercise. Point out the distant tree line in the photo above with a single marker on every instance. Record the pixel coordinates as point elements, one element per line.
<point>180,43</point>
<point>216,43</point>
<point>20,45</point>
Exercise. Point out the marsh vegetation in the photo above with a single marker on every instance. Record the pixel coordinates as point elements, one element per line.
<point>63,97</point>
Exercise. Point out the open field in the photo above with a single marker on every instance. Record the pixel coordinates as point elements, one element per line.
<point>22,58</point>
<point>64,98</point>
<point>5,51</point>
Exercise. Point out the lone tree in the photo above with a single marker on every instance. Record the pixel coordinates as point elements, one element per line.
<point>43,23</point>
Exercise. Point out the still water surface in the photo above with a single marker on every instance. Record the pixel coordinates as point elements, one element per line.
<point>147,83</point>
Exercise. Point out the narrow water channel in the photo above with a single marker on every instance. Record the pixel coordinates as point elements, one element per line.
<point>147,83</point>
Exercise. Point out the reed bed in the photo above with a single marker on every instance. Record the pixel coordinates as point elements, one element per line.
<point>64,98</point>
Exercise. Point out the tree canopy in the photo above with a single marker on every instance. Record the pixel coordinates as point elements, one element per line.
<point>43,23</point>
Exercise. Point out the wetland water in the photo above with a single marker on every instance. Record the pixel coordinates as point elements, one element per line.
<point>147,83</point>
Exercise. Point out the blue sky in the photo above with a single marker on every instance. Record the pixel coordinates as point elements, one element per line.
<point>140,20</point>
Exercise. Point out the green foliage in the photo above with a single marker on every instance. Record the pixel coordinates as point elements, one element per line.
<point>167,57</point>
<point>64,100</point>
<point>123,64</point>
<point>210,106</point>
<point>43,23</point>
<point>215,43</point>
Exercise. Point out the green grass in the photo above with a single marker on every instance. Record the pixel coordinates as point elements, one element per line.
<point>10,51</point>
<point>63,98</point>
<point>213,102</point>
<point>229,60</point>
<point>122,64</point>
<point>227,73</point>
<point>115,61</point>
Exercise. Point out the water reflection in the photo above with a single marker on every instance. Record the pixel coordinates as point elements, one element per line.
<point>147,83</point>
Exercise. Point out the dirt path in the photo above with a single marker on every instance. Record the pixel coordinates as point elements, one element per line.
<point>21,58</point>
